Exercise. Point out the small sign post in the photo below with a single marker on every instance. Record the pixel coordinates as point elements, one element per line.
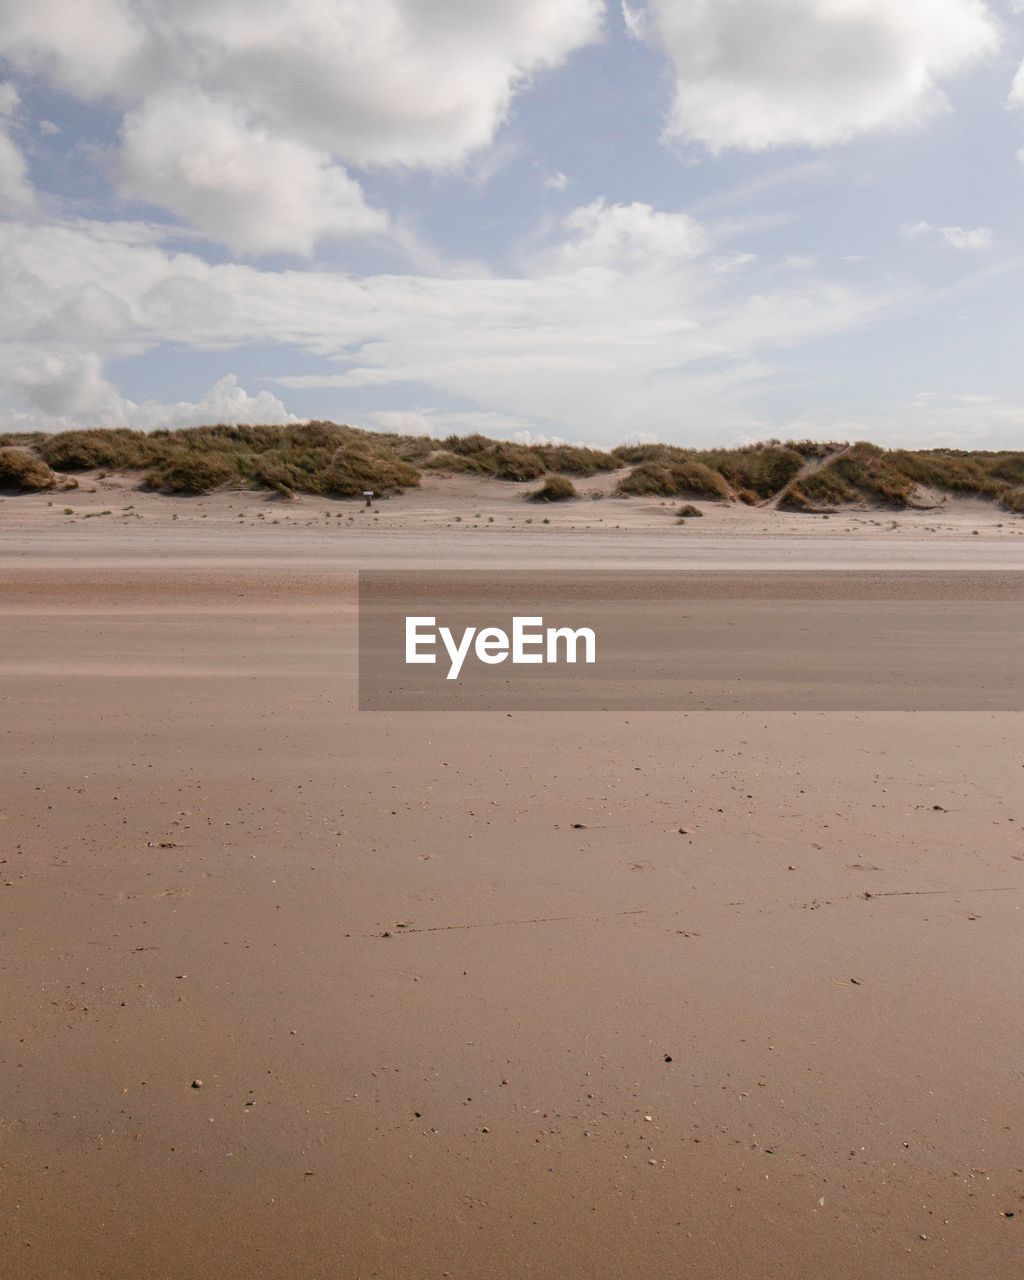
<point>368,495</point>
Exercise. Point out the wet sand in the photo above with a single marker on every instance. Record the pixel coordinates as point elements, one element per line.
<point>440,1030</point>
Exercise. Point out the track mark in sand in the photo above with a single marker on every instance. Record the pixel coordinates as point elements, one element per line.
<point>400,930</point>
<point>403,929</point>
<point>922,893</point>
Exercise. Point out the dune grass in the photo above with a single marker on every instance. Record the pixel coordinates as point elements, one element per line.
<point>821,490</point>
<point>555,488</point>
<point>751,473</point>
<point>22,472</point>
<point>674,477</point>
<point>112,449</point>
<point>330,459</point>
<point>867,474</point>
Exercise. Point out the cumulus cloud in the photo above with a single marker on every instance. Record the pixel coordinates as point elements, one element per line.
<point>240,113</point>
<point>69,389</point>
<point>975,240</point>
<point>627,237</point>
<point>225,401</point>
<point>64,389</point>
<point>16,193</point>
<point>812,72</point>
<point>208,163</point>
<point>89,48</point>
<point>399,81</point>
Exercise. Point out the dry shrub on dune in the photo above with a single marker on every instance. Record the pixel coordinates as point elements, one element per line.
<point>353,471</point>
<point>575,460</point>
<point>754,471</point>
<point>672,479</point>
<point>109,449</point>
<point>443,460</point>
<point>751,473</point>
<point>190,473</point>
<point>1013,500</point>
<point>554,489</point>
<point>314,457</point>
<point>820,490</point>
<point>23,472</point>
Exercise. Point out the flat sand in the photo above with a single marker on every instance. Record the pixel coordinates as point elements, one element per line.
<point>441,1030</point>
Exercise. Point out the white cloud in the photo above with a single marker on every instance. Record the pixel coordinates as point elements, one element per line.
<point>70,390</point>
<point>240,112</point>
<point>585,353</point>
<point>813,72</point>
<point>1016,98</point>
<point>976,240</point>
<point>16,193</point>
<point>396,82</point>
<point>207,162</point>
<point>731,262</point>
<point>89,48</point>
<point>635,21</point>
<point>628,237</point>
<point>442,422</point>
<point>928,420</point>
<point>405,422</point>
<point>225,402</point>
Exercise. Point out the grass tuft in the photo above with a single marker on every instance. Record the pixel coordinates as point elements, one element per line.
<point>671,479</point>
<point>23,472</point>
<point>554,489</point>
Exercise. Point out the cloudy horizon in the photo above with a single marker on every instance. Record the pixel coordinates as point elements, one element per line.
<point>701,221</point>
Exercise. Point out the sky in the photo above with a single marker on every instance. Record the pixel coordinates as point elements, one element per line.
<point>698,221</point>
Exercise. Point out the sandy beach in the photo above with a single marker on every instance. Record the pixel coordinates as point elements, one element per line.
<point>294,991</point>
